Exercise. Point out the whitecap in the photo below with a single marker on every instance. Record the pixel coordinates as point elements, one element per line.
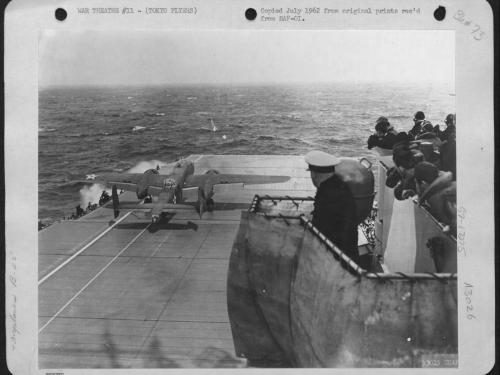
<point>137,128</point>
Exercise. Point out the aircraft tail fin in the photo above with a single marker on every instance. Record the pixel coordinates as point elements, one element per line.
<point>116,202</point>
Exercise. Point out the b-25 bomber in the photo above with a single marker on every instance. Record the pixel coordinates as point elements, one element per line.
<point>169,188</point>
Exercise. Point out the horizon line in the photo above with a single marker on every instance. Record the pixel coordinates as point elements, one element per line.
<point>238,84</point>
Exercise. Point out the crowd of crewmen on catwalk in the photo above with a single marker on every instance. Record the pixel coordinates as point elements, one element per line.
<point>79,211</point>
<point>425,164</point>
<point>91,206</point>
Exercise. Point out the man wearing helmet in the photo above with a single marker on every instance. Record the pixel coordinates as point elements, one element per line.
<point>418,119</point>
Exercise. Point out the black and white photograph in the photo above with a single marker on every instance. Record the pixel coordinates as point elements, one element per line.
<point>267,187</point>
<point>247,199</point>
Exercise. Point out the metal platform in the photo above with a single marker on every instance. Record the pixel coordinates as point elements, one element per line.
<point>129,294</point>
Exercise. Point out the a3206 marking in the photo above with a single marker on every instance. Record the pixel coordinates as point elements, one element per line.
<point>468,301</point>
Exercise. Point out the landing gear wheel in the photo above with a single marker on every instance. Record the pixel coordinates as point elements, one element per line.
<point>210,205</point>
<point>148,199</point>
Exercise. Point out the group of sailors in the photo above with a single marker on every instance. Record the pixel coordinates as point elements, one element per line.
<point>425,164</point>
<point>425,168</point>
<point>103,199</point>
<point>79,211</point>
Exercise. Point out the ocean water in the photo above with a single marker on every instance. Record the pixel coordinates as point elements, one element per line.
<point>104,129</point>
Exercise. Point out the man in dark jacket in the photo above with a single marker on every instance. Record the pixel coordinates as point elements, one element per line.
<point>418,119</point>
<point>334,206</point>
<point>450,127</point>
<point>449,155</point>
<point>438,191</point>
<point>385,136</point>
<point>405,157</point>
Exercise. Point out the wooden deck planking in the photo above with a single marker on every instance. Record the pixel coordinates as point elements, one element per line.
<point>162,302</point>
<point>70,234</point>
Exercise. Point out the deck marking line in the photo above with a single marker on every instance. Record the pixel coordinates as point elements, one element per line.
<point>161,243</point>
<point>50,274</point>
<point>91,280</point>
<point>174,290</point>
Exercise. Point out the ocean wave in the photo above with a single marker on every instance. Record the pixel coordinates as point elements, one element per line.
<point>340,141</point>
<point>84,135</point>
<point>298,140</point>
<point>267,138</point>
<point>138,128</point>
<point>48,130</point>
<point>77,135</point>
<point>235,143</point>
<point>208,130</point>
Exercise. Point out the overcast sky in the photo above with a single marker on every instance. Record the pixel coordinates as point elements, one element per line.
<point>242,57</point>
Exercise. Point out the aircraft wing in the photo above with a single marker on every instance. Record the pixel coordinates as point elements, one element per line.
<point>246,179</point>
<point>149,206</point>
<point>123,181</point>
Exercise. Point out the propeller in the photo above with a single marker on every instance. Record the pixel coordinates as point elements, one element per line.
<point>116,202</point>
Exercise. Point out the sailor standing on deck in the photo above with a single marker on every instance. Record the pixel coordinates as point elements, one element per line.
<point>334,207</point>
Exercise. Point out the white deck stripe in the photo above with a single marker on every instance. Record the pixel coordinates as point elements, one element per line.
<point>46,277</point>
<point>161,243</point>
<point>198,158</point>
<point>91,280</point>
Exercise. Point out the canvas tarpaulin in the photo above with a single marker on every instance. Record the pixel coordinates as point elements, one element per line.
<point>292,301</point>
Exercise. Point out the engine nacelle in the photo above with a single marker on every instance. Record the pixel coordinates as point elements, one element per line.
<point>212,171</point>
<point>142,192</point>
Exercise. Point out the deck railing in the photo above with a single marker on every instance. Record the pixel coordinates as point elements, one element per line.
<point>338,254</point>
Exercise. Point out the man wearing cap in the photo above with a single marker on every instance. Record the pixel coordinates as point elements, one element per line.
<point>334,207</point>
<point>418,119</point>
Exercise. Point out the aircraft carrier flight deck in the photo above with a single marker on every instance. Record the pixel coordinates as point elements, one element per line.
<point>129,293</point>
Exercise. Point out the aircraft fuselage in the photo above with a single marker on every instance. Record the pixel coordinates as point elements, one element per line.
<point>172,183</point>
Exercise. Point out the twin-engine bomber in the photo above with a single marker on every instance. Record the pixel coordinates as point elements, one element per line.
<point>169,188</point>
